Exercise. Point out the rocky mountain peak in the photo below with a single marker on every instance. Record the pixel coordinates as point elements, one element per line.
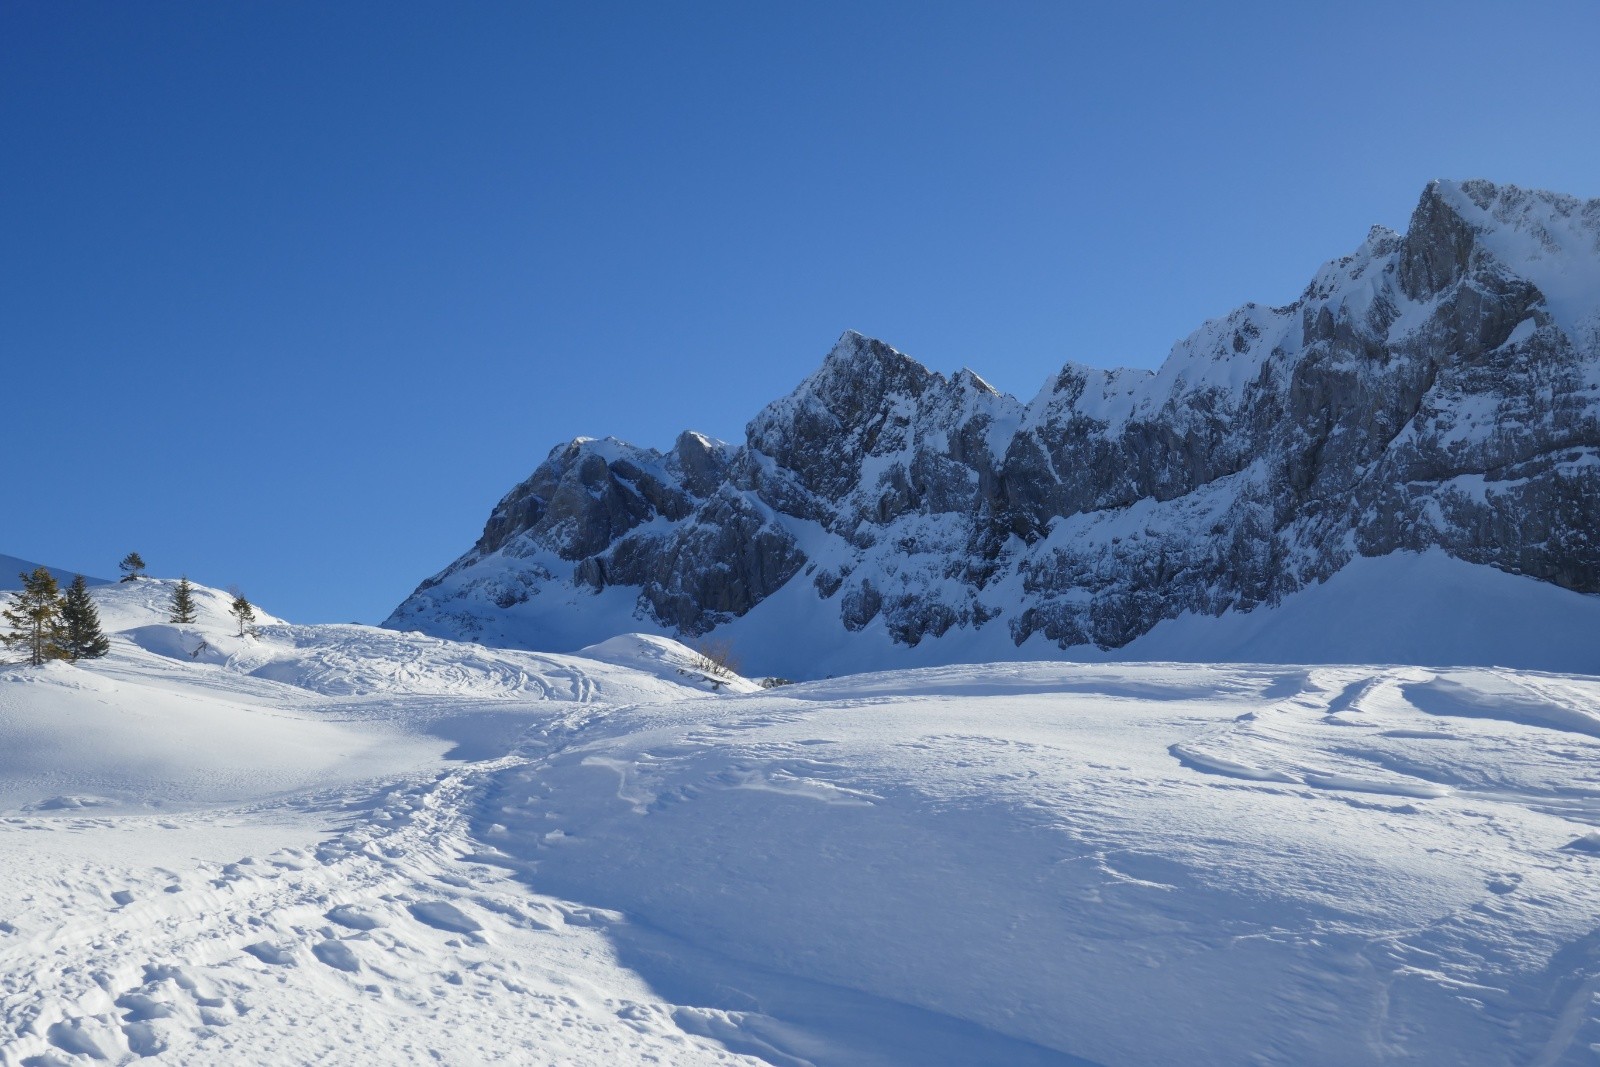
<point>1438,389</point>
<point>967,379</point>
<point>700,461</point>
<point>822,431</point>
<point>1438,244</point>
<point>855,378</point>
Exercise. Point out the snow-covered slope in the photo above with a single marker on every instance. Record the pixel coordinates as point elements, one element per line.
<point>1436,391</point>
<point>1135,865</point>
<point>217,848</point>
<point>346,845</point>
<point>182,714</point>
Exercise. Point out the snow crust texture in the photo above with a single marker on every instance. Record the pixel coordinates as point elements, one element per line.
<point>1437,390</point>
<point>342,845</point>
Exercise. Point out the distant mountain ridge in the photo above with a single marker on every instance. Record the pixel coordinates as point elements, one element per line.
<point>1433,390</point>
<point>11,567</point>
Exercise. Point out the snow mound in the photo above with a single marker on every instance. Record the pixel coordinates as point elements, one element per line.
<point>148,601</point>
<point>103,737</point>
<point>336,660</point>
<point>194,714</point>
<point>1483,694</point>
<point>666,658</point>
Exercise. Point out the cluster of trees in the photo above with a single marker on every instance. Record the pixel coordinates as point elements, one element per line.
<point>182,608</point>
<point>49,624</point>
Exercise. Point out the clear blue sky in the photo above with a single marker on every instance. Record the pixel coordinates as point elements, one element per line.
<point>291,293</point>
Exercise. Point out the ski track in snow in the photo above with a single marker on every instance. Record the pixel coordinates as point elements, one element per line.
<point>483,856</point>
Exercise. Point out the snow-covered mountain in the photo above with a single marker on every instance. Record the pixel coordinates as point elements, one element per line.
<point>1432,392</point>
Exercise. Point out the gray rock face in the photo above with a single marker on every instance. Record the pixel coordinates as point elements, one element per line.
<point>1437,389</point>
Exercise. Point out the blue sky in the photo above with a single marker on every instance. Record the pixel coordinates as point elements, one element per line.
<point>292,293</point>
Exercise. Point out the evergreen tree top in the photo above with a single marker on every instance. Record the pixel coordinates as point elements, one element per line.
<point>40,582</point>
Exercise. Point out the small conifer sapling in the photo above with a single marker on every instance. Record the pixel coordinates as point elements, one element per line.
<point>246,615</point>
<point>132,567</point>
<point>82,637</point>
<point>35,617</point>
<point>182,608</point>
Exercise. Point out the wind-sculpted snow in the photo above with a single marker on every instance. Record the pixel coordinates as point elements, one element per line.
<point>1438,390</point>
<point>343,845</point>
<point>359,661</point>
<point>367,661</point>
<point>1160,864</point>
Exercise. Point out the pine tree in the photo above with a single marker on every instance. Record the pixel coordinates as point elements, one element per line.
<point>82,637</point>
<point>35,617</point>
<point>182,609</point>
<point>246,615</point>
<point>132,567</point>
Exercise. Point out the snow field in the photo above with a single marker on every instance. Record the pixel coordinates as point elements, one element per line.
<point>382,943</point>
<point>257,854</point>
<point>1130,864</point>
<point>347,845</point>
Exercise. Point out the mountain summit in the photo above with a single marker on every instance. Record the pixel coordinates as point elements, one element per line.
<point>1433,392</point>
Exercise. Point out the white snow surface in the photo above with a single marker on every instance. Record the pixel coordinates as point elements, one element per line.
<point>347,845</point>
